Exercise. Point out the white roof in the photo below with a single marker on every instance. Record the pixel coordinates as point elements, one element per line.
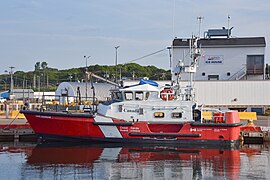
<point>143,87</point>
<point>102,90</point>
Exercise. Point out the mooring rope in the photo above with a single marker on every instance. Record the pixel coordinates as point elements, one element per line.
<point>6,127</point>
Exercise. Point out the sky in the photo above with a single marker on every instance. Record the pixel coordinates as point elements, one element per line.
<point>62,32</point>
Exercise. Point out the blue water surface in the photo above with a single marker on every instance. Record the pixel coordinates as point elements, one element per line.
<point>54,161</point>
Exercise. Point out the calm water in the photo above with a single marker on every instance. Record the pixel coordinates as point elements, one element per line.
<point>52,161</point>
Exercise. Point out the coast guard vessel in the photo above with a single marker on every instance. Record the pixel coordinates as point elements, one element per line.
<point>144,113</point>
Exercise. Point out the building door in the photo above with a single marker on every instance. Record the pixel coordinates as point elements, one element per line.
<point>255,64</point>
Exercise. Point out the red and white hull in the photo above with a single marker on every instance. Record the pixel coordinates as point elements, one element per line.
<point>85,127</point>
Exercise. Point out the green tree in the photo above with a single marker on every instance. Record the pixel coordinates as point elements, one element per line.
<point>37,66</point>
<point>44,65</point>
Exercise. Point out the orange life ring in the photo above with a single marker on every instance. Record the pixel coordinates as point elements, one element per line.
<point>166,94</point>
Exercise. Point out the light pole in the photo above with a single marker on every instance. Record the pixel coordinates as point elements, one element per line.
<point>6,80</point>
<point>70,77</point>
<point>11,78</point>
<point>75,77</point>
<point>86,72</point>
<point>116,47</point>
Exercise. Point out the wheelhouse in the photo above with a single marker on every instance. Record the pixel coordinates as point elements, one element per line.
<point>136,93</point>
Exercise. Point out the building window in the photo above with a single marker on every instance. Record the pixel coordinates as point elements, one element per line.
<point>213,77</point>
<point>203,74</point>
<point>228,73</point>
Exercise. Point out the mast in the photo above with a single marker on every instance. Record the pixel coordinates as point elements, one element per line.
<point>195,54</point>
<point>189,69</point>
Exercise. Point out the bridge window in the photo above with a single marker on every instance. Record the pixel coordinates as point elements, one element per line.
<point>147,95</point>
<point>151,95</point>
<point>117,95</point>
<point>139,96</point>
<point>128,96</point>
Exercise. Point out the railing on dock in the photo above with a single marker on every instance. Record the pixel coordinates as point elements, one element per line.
<point>11,108</point>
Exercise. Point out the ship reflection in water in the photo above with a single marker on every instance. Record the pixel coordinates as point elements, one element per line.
<point>99,162</point>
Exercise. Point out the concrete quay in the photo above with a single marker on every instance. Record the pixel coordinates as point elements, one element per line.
<point>16,130</point>
<point>10,121</point>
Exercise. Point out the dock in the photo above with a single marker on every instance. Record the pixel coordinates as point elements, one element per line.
<point>16,130</point>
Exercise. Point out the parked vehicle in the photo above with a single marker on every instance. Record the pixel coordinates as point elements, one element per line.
<point>2,99</point>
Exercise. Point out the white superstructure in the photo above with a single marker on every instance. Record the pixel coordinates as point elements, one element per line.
<point>147,101</point>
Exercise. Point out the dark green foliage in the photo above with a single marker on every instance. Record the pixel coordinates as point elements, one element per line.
<point>49,78</point>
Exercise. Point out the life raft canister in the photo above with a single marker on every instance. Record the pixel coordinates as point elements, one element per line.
<point>166,94</point>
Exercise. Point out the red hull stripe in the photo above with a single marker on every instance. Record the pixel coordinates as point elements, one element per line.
<point>108,131</point>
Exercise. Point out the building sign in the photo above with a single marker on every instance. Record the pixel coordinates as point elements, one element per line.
<point>214,59</point>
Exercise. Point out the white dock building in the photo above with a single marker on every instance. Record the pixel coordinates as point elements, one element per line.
<point>231,70</point>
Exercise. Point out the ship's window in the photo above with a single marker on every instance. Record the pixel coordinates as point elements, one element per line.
<point>176,115</point>
<point>139,96</point>
<point>128,96</point>
<point>159,114</point>
<point>228,73</point>
<point>117,95</point>
<point>153,95</point>
<point>114,95</point>
<point>147,95</point>
<point>203,74</point>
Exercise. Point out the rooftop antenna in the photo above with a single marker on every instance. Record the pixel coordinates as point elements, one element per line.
<point>229,17</point>
<point>173,35</point>
<point>173,20</point>
<point>200,18</point>
<point>86,72</point>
